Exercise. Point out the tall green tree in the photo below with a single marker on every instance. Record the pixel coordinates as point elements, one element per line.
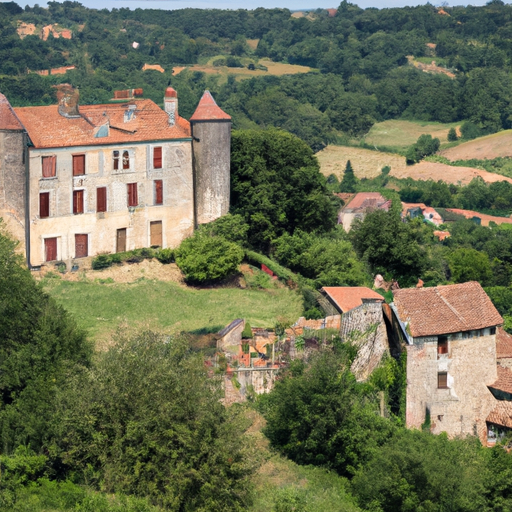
<point>349,181</point>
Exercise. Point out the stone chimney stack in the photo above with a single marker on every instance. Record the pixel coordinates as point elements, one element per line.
<point>67,97</point>
<point>171,105</point>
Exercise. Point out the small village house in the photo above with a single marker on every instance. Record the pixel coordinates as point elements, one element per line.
<point>361,204</point>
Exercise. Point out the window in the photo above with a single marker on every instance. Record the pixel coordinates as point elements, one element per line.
<point>78,201</point>
<point>81,246</point>
<point>44,204</point>
<point>442,345</point>
<point>132,194</point>
<point>155,233</point>
<point>157,157</point>
<point>78,165</point>
<point>50,249</point>
<point>126,160</point>
<point>121,240</point>
<point>115,156</point>
<point>101,199</point>
<point>442,380</point>
<point>159,192</point>
<point>493,330</point>
<point>49,165</point>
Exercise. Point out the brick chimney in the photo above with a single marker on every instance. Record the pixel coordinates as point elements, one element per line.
<point>67,97</point>
<point>171,105</point>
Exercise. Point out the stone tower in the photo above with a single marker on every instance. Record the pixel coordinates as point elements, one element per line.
<point>211,146</point>
<point>13,159</point>
<point>171,105</point>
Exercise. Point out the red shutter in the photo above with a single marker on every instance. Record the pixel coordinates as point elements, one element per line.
<point>49,164</point>
<point>132,194</point>
<point>159,192</point>
<point>50,249</point>
<point>78,165</point>
<point>157,158</point>
<point>78,201</point>
<point>81,243</point>
<point>44,204</point>
<point>101,199</point>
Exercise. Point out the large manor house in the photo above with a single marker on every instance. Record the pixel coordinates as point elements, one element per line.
<point>81,180</point>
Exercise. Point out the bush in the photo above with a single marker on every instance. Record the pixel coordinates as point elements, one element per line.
<point>452,135</point>
<point>469,130</point>
<point>203,258</point>
<point>165,256</point>
<point>101,261</point>
<point>247,332</point>
<point>220,62</point>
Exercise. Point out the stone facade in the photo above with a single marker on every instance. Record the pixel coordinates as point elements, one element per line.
<point>460,407</point>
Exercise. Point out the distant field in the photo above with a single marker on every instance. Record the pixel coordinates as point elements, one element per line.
<point>401,134</point>
<point>168,306</point>
<point>253,43</point>
<point>490,146</point>
<point>365,162</point>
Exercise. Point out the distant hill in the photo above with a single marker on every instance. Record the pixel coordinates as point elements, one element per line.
<point>490,146</point>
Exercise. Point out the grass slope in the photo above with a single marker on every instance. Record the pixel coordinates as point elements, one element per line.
<point>401,134</point>
<point>491,146</point>
<point>102,308</point>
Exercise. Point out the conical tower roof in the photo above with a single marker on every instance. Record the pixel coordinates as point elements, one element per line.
<point>208,110</point>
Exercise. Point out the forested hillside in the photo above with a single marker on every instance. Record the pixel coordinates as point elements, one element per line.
<point>360,57</point>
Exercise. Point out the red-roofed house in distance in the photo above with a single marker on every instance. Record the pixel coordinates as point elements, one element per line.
<point>361,204</point>
<point>449,333</point>
<point>80,180</point>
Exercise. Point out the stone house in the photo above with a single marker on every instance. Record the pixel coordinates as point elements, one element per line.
<point>359,206</point>
<point>449,333</point>
<point>77,181</point>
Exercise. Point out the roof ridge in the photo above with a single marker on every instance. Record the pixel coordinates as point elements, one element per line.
<point>457,314</point>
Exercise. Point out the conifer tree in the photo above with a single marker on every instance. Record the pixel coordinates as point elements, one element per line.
<point>349,181</point>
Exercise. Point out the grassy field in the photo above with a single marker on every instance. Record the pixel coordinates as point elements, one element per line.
<point>401,134</point>
<point>366,163</point>
<point>168,306</point>
<point>491,146</point>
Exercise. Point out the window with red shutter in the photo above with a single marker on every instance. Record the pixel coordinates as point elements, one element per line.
<point>115,156</point>
<point>157,157</point>
<point>126,160</point>
<point>159,192</point>
<point>78,165</point>
<point>44,204</point>
<point>78,201</point>
<point>49,165</point>
<point>101,199</point>
<point>50,249</point>
<point>81,246</point>
<point>132,194</point>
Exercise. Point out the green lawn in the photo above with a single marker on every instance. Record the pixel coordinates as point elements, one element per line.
<point>102,308</point>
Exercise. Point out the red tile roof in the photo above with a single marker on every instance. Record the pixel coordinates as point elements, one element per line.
<point>501,414</point>
<point>503,344</point>
<point>446,309</point>
<point>504,382</point>
<point>208,110</point>
<point>348,298</point>
<point>366,200</point>
<point>8,119</point>
<point>48,129</point>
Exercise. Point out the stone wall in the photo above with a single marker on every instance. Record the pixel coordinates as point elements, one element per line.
<point>365,327</point>
<point>259,380</point>
<point>212,150</point>
<point>12,182</point>
<point>461,408</point>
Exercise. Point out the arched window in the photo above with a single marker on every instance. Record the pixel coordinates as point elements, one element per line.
<point>126,160</point>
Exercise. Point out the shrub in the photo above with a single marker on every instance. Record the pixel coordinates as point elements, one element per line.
<point>469,130</point>
<point>165,255</point>
<point>247,332</point>
<point>452,135</point>
<point>101,261</point>
<point>204,258</point>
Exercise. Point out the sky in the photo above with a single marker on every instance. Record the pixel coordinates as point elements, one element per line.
<point>250,4</point>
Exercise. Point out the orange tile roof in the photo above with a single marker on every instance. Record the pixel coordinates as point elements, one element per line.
<point>365,200</point>
<point>503,344</point>
<point>48,129</point>
<point>8,119</point>
<point>208,110</point>
<point>446,309</point>
<point>348,298</point>
<point>504,382</point>
<point>501,414</point>
<point>329,322</point>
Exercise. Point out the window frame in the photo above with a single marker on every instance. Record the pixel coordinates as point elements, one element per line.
<point>132,195</point>
<point>80,193</point>
<point>101,203</point>
<point>159,158</point>
<point>41,213</point>
<point>442,376</point>
<point>115,159</point>
<point>442,345</point>
<point>54,240</point>
<point>158,192</point>
<point>53,171</point>
<point>75,159</point>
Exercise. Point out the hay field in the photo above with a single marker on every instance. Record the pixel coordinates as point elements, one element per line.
<point>365,162</point>
<point>252,43</point>
<point>490,146</point>
<point>401,134</point>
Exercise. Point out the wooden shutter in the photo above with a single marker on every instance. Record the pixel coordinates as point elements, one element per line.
<point>44,204</point>
<point>49,165</point>
<point>101,199</point>
<point>442,380</point>
<point>115,156</point>
<point>78,165</point>
<point>159,192</point>
<point>155,232</point>
<point>78,201</point>
<point>50,249</point>
<point>121,240</point>
<point>132,194</point>
<point>157,157</point>
<point>81,243</point>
